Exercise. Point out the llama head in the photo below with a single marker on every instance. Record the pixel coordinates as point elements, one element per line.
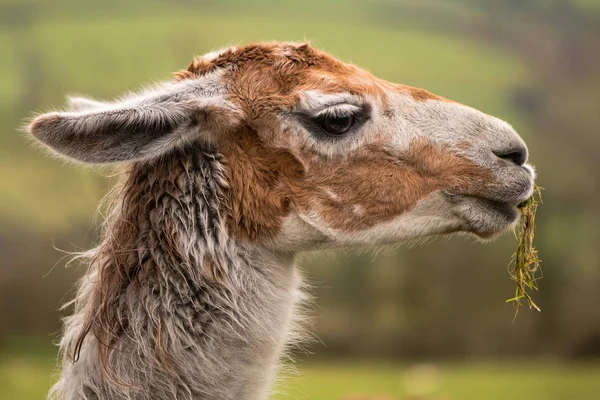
<point>316,152</point>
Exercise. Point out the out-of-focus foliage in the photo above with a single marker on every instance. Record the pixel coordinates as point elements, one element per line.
<point>535,63</point>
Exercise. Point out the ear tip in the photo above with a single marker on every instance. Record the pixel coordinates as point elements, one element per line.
<point>40,126</point>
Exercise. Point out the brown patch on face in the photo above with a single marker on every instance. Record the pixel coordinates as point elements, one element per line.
<point>383,183</point>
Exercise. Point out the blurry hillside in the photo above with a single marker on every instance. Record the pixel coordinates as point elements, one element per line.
<point>535,63</point>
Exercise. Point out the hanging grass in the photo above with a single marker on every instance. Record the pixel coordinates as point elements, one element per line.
<point>524,268</point>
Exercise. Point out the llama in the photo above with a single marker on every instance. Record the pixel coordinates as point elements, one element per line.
<point>248,157</point>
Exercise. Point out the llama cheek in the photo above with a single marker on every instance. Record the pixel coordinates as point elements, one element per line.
<point>429,216</point>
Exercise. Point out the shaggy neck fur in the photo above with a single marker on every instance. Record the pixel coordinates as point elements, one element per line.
<point>172,306</point>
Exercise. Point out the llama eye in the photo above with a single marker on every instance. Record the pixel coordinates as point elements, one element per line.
<point>336,125</point>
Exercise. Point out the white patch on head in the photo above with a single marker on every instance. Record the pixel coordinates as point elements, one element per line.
<point>451,124</point>
<point>338,109</point>
<point>358,209</point>
<point>332,195</point>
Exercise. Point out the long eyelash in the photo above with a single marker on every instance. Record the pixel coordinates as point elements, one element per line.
<point>341,110</point>
<point>337,114</point>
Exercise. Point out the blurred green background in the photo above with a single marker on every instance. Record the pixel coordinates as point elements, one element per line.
<point>421,323</point>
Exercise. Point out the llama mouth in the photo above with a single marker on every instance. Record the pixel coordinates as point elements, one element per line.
<point>507,208</point>
<point>487,218</point>
<point>511,202</point>
<point>483,216</point>
<point>502,207</point>
<point>515,195</point>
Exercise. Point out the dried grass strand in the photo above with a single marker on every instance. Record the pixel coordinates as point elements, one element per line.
<point>524,268</point>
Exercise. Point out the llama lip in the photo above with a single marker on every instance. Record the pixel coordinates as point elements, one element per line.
<point>506,208</point>
<point>483,216</point>
<point>488,218</point>
<point>514,195</point>
<point>510,202</point>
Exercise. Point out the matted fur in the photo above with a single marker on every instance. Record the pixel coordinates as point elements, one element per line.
<point>172,307</point>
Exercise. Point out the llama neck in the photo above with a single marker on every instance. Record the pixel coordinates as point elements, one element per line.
<point>175,308</point>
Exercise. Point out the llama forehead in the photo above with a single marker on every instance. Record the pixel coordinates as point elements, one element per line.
<point>294,65</point>
<point>266,80</point>
<point>287,69</point>
<point>233,57</point>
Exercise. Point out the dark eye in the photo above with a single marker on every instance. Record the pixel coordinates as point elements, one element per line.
<point>336,125</point>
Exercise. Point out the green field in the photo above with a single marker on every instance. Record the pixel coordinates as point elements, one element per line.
<point>28,378</point>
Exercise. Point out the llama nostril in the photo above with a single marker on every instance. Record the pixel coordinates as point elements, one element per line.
<point>516,156</point>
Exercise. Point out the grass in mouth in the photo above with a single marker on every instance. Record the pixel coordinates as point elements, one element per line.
<point>524,268</point>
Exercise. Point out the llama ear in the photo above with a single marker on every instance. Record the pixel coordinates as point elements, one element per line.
<point>138,127</point>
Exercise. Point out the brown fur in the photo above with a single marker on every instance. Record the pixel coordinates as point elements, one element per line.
<point>258,196</point>
<point>384,183</point>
